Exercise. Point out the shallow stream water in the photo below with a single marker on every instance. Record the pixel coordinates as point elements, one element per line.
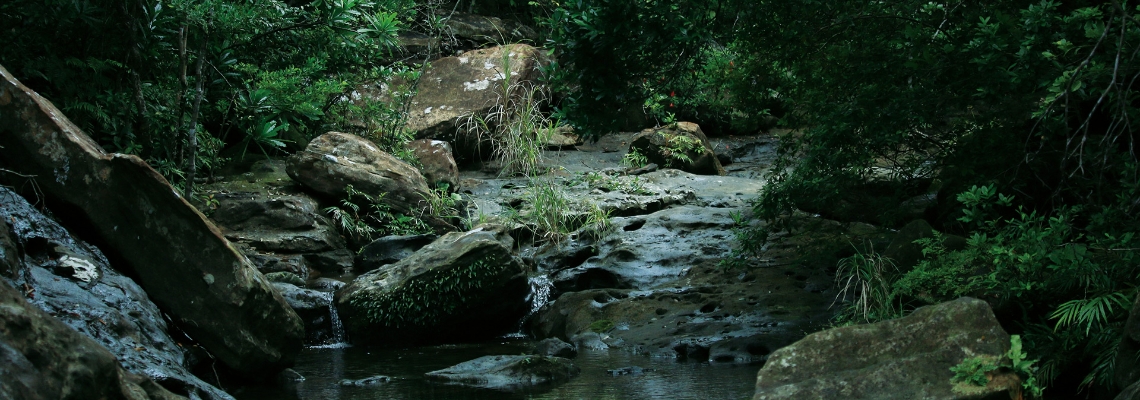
<point>323,368</point>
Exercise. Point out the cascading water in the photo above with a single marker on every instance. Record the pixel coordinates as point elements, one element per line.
<point>338,338</point>
<point>540,287</point>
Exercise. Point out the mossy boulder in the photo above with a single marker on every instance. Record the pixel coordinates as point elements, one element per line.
<point>904,358</point>
<point>463,286</point>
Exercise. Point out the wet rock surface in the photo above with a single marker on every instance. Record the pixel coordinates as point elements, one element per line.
<point>507,372</point>
<point>177,255</point>
<point>73,282</point>
<point>654,285</point>
<point>42,358</point>
<point>904,358</point>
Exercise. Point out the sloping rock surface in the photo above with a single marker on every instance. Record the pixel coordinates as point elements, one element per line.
<point>42,358</point>
<point>463,286</point>
<point>905,358</point>
<point>178,256</point>
<point>72,280</point>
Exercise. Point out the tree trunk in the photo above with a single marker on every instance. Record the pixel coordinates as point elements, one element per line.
<point>193,132</point>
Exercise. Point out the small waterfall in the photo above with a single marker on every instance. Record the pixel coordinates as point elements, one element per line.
<point>339,338</point>
<point>540,288</point>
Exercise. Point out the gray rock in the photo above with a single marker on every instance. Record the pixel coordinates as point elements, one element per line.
<point>326,285</point>
<point>436,163</point>
<point>271,262</point>
<point>333,262</point>
<point>741,350</point>
<point>554,347</point>
<point>72,280</point>
<point>454,88</point>
<point>335,160</point>
<point>632,371</point>
<point>262,211</point>
<point>365,382</point>
<point>314,308</point>
<point>42,358</point>
<point>507,372</point>
<point>905,358</point>
<point>480,30</point>
<point>176,254</point>
<point>657,146</point>
<point>462,286</point>
<point>389,250</point>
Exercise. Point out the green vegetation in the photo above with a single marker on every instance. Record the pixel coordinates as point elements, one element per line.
<point>601,326</point>
<point>1016,115</point>
<point>362,217</point>
<point>554,216</point>
<point>974,371</point>
<point>177,81</point>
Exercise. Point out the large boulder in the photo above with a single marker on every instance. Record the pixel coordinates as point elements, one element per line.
<point>42,358</point>
<point>478,30</point>
<point>176,254</point>
<point>452,89</point>
<point>335,160</point>
<point>280,223</point>
<point>72,280</point>
<point>507,372</point>
<point>465,285</point>
<point>681,145</point>
<point>437,162</point>
<point>905,358</point>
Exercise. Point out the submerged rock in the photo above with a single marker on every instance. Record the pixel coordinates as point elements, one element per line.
<point>905,358</point>
<point>42,358</point>
<point>73,281</point>
<point>507,372</point>
<point>682,146</point>
<point>462,286</point>
<point>178,256</point>
<point>554,347</point>
<point>365,382</point>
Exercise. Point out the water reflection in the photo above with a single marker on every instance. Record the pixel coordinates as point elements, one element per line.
<point>323,369</point>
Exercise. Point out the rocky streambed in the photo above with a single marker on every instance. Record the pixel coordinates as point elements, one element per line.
<point>648,297</point>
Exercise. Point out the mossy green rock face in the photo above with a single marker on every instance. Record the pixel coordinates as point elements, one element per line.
<point>905,358</point>
<point>462,286</point>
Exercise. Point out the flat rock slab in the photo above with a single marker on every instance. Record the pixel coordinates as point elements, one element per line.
<point>507,372</point>
<point>178,256</point>
<point>905,358</point>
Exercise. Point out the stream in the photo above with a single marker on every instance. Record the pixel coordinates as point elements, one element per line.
<point>324,367</point>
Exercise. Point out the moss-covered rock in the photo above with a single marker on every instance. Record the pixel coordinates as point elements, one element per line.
<point>466,284</point>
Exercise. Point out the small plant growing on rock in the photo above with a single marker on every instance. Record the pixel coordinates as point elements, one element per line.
<point>362,217</point>
<point>677,148</point>
<point>634,159</point>
<point>977,371</point>
<point>601,326</point>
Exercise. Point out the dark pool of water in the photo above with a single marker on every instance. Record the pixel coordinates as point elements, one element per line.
<point>323,369</point>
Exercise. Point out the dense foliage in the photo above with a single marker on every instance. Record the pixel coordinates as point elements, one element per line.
<point>1016,114</point>
<point>175,81</point>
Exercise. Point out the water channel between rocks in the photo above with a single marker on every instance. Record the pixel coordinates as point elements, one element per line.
<point>324,368</point>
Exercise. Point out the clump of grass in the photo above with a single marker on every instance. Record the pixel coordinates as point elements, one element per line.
<point>555,216</point>
<point>865,277</point>
<point>515,126</point>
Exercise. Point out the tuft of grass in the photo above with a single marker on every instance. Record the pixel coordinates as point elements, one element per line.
<point>865,276</point>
